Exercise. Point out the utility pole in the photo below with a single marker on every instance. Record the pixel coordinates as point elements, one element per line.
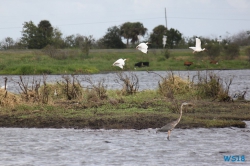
<point>164,38</point>
<point>166,18</point>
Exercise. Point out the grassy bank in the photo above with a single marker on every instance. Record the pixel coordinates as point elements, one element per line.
<point>21,62</point>
<point>97,107</point>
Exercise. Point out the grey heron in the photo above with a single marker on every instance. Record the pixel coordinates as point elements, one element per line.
<point>170,126</point>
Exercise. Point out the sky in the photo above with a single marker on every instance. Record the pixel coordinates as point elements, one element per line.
<point>206,18</point>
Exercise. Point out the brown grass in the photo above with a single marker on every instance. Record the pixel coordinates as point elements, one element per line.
<point>8,99</point>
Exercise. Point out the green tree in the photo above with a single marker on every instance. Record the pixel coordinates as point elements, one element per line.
<point>29,35</point>
<point>132,31</point>
<point>86,44</point>
<point>45,33</point>
<point>7,43</point>
<point>57,39</point>
<point>112,38</point>
<point>37,37</point>
<point>79,39</point>
<point>174,37</point>
<point>157,35</point>
<point>70,41</point>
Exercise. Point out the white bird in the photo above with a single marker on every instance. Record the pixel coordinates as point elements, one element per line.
<point>120,63</point>
<point>3,87</point>
<point>55,93</point>
<point>143,47</point>
<point>197,47</point>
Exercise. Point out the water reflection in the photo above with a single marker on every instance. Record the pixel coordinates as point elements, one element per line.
<point>122,147</point>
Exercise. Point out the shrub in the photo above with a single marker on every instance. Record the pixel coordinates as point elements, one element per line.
<point>211,86</point>
<point>247,51</point>
<point>232,51</point>
<point>71,87</point>
<point>213,50</point>
<point>166,53</point>
<point>50,51</point>
<point>172,85</point>
<point>130,82</point>
<point>98,89</point>
<point>208,86</point>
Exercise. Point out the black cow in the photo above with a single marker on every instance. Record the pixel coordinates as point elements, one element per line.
<point>142,64</point>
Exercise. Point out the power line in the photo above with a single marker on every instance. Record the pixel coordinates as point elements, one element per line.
<point>152,18</point>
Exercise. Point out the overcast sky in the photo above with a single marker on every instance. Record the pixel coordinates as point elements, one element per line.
<point>207,18</point>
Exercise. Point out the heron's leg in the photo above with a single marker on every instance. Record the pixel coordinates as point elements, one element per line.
<point>169,134</point>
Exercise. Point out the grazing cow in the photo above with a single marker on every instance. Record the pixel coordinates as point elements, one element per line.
<point>142,64</point>
<point>214,62</point>
<point>188,63</point>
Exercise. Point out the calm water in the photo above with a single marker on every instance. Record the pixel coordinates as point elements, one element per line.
<point>241,79</point>
<point>71,147</point>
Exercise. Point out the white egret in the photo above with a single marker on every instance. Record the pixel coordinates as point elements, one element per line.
<point>143,47</point>
<point>55,93</point>
<point>197,47</point>
<point>120,63</point>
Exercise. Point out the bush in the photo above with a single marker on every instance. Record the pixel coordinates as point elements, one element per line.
<point>211,86</point>
<point>213,50</point>
<point>129,82</point>
<point>232,51</point>
<point>173,85</point>
<point>208,86</point>
<point>166,53</point>
<point>247,51</point>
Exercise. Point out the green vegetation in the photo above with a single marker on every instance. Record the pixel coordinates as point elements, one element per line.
<point>71,61</point>
<point>67,104</point>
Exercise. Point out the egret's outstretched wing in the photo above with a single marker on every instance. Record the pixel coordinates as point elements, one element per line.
<point>120,63</point>
<point>198,44</point>
<point>143,48</point>
<point>193,48</point>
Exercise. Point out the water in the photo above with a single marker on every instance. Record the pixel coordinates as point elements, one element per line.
<point>241,79</point>
<point>74,147</point>
<point>63,147</point>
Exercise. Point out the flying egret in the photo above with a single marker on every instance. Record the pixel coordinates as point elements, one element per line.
<point>170,126</point>
<point>120,63</point>
<point>143,47</point>
<point>197,47</point>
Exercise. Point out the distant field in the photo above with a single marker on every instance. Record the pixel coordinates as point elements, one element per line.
<point>73,61</point>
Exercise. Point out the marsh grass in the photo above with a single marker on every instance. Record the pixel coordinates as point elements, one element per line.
<point>96,107</point>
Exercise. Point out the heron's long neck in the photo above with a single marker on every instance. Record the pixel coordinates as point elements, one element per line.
<point>180,114</point>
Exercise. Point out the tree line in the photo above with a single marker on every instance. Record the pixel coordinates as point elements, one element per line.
<point>44,34</point>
